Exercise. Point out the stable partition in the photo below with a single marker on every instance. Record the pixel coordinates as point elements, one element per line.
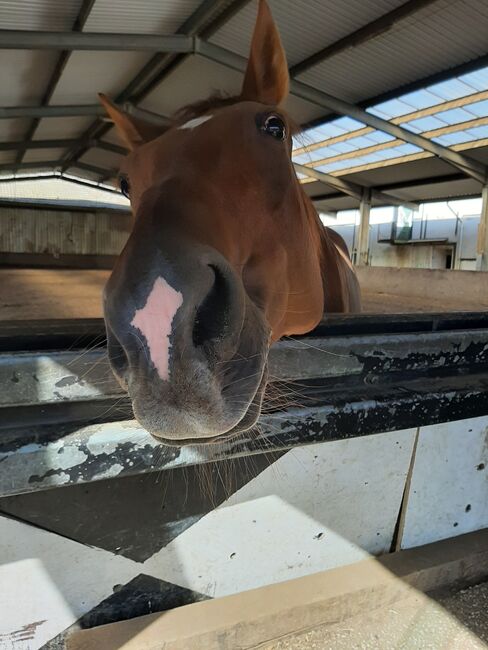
<point>385,448</point>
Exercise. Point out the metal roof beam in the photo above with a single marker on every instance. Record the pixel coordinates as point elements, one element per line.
<point>346,187</point>
<point>367,32</point>
<point>55,165</point>
<point>354,190</point>
<point>93,169</point>
<point>218,12</point>
<point>93,41</point>
<point>45,164</point>
<point>63,58</point>
<point>13,112</point>
<point>468,165</point>
<point>59,144</point>
<point>35,144</point>
<point>68,178</point>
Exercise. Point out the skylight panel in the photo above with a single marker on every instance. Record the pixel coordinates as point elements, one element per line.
<point>480,109</point>
<point>478,132</point>
<point>421,99</point>
<point>342,147</point>
<point>454,116</point>
<point>348,124</point>
<point>451,89</point>
<point>361,141</point>
<point>427,123</point>
<point>392,108</point>
<point>380,137</point>
<point>477,79</point>
<point>448,139</point>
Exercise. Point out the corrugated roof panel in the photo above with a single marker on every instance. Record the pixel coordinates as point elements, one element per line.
<point>302,111</point>
<point>429,41</point>
<point>41,155</point>
<point>7,157</point>
<point>148,17</point>
<point>113,137</point>
<point>51,128</point>
<point>88,73</point>
<point>41,169</point>
<point>24,75</point>
<point>82,173</point>
<point>12,129</point>
<point>196,78</point>
<point>42,15</point>
<point>101,158</point>
<point>306,26</point>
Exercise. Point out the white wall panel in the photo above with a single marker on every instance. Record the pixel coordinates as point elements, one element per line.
<point>448,494</point>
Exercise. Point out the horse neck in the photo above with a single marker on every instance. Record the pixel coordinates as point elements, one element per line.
<point>341,288</point>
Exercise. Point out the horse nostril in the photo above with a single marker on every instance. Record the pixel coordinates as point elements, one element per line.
<point>212,318</point>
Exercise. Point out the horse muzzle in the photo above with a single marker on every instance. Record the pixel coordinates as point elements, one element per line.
<point>185,340</point>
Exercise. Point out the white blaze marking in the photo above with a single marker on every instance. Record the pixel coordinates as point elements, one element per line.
<point>196,121</point>
<point>154,321</point>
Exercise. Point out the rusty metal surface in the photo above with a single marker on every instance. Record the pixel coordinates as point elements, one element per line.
<point>60,376</point>
<point>37,459</point>
<point>64,420</point>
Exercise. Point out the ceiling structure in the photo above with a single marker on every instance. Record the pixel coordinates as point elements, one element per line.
<point>393,94</point>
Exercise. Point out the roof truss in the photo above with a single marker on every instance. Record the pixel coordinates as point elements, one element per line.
<point>170,51</point>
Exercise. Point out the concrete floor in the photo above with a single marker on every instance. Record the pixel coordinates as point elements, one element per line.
<point>457,621</point>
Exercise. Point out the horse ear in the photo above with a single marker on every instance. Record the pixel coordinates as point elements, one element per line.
<point>133,130</point>
<point>266,79</point>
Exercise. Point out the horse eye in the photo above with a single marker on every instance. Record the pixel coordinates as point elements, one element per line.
<point>275,126</point>
<point>124,186</point>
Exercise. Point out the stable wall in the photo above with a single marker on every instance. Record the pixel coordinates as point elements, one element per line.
<point>60,236</point>
<point>460,236</point>
<point>37,235</point>
<point>445,290</point>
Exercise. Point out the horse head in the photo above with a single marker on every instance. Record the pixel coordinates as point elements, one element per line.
<point>226,255</point>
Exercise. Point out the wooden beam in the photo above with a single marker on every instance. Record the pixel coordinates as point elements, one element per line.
<point>259,617</point>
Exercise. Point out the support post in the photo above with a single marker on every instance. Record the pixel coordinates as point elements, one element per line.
<point>362,256</point>
<point>482,244</point>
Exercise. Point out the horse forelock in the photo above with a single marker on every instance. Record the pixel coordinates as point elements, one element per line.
<point>199,108</point>
<point>220,100</point>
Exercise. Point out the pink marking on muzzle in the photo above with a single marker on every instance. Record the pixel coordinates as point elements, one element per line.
<point>154,321</point>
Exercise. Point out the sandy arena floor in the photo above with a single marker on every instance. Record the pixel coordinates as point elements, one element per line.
<point>41,294</point>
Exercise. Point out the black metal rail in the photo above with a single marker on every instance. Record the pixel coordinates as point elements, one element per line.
<point>64,420</point>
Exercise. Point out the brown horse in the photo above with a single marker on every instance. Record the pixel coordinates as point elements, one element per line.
<point>227,254</point>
